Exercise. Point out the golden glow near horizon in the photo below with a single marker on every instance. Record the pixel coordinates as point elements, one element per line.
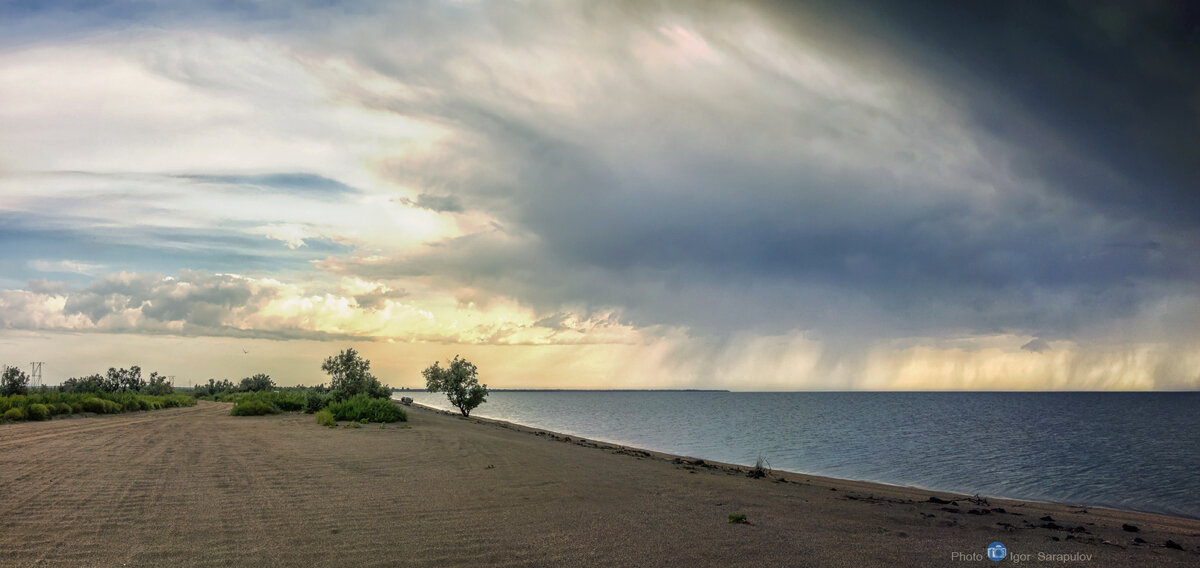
<point>683,199</point>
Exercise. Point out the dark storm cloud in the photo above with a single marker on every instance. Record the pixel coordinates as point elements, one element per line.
<point>884,169</point>
<point>726,217</point>
<point>1117,83</point>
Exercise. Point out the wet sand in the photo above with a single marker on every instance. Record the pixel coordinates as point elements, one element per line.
<point>196,487</point>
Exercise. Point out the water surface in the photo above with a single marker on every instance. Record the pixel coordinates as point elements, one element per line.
<point>1137,451</point>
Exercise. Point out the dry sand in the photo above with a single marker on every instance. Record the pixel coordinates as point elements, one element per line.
<point>195,486</point>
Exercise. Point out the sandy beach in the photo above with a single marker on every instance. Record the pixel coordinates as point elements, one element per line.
<point>196,487</point>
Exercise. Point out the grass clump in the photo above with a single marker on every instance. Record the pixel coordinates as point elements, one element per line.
<point>324,418</point>
<point>363,409</point>
<point>761,469</point>
<point>14,414</point>
<point>253,408</point>
<point>738,519</point>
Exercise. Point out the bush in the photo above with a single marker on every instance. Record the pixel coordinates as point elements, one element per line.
<point>290,401</point>
<point>362,407</point>
<point>14,414</point>
<point>315,401</point>
<point>259,382</point>
<point>46,403</point>
<point>177,401</point>
<point>101,406</point>
<point>92,405</point>
<point>324,418</point>
<point>252,408</point>
<point>37,412</point>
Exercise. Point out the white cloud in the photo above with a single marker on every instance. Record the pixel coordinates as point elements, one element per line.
<point>71,266</point>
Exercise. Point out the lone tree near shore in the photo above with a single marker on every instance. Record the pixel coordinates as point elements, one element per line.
<point>459,381</point>
<point>350,375</point>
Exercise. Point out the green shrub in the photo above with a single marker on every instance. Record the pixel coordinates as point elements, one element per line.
<point>60,403</point>
<point>290,401</point>
<point>177,400</point>
<point>315,401</point>
<point>37,412</point>
<point>101,406</point>
<point>14,414</point>
<point>362,407</point>
<point>252,408</point>
<point>324,418</point>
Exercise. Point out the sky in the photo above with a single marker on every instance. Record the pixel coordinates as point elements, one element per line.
<point>746,196</point>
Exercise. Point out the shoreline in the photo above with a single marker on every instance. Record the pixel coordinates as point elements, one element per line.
<point>198,487</point>
<point>738,468</point>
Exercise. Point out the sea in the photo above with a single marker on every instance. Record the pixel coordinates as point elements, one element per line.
<point>1136,451</point>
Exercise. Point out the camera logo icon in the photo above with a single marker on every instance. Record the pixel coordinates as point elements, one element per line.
<point>996,551</point>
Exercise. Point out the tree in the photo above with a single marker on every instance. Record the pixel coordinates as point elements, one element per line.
<point>350,375</point>
<point>259,382</point>
<point>158,385</point>
<point>14,381</point>
<point>213,388</point>
<point>128,379</point>
<point>459,381</point>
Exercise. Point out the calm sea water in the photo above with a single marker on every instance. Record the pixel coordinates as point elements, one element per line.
<point>1137,451</point>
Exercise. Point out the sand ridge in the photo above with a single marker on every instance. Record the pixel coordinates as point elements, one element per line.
<point>196,487</point>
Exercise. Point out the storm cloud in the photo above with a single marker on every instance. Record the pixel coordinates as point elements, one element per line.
<point>694,178</point>
<point>855,191</point>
